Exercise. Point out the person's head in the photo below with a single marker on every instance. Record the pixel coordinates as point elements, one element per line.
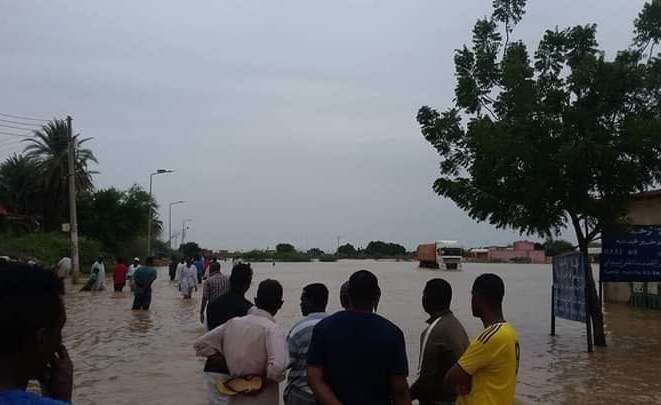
<point>149,261</point>
<point>99,259</point>
<point>136,261</point>
<point>314,298</point>
<point>345,301</point>
<point>120,260</point>
<point>436,296</point>
<point>364,291</point>
<point>269,296</point>
<point>214,259</point>
<point>488,292</point>
<point>32,318</point>
<point>214,268</point>
<point>189,261</point>
<point>241,278</point>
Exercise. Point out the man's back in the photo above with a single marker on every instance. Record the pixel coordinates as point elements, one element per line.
<point>298,341</point>
<point>359,353</point>
<point>492,359</point>
<point>252,345</point>
<point>215,286</point>
<point>441,344</point>
<point>144,276</point>
<point>226,307</point>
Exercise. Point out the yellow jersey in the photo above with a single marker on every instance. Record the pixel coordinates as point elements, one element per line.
<point>492,359</point>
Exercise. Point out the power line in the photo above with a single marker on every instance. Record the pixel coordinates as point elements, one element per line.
<point>18,135</point>
<point>21,123</point>
<point>23,117</point>
<point>13,127</point>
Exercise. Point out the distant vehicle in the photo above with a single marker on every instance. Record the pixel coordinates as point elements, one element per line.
<point>444,255</point>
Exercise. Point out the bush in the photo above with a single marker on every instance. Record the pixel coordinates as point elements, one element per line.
<point>47,248</point>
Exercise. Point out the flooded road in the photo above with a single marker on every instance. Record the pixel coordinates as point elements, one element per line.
<point>122,357</point>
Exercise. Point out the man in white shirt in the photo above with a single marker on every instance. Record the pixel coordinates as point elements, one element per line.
<point>63,267</point>
<point>252,345</point>
<point>132,268</point>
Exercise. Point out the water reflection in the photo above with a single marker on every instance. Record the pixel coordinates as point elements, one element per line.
<point>126,357</point>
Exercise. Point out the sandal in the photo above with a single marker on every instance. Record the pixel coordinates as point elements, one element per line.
<point>240,385</point>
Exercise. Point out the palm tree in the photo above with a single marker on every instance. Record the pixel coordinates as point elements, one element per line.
<point>49,149</point>
<point>19,185</point>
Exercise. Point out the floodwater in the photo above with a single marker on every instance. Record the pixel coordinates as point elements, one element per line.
<point>125,357</point>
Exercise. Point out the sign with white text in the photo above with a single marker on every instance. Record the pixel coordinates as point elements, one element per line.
<point>569,287</point>
<point>631,255</point>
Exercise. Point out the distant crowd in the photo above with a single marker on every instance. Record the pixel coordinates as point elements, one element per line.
<point>353,356</point>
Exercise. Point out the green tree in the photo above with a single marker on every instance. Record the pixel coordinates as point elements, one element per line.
<point>116,218</point>
<point>315,252</point>
<point>49,149</point>
<point>383,249</point>
<point>19,177</point>
<point>285,248</point>
<point>190,249</point>
<point>554,247</point>
<point>563,141</point>
<point>347,250</point>
<point>647,27</point>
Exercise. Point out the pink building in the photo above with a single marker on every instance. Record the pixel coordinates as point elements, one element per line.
<point>523,251</point>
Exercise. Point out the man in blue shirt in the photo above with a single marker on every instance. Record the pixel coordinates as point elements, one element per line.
<point>31,347</point>
<point>357,357</point>
<point>313,306</point>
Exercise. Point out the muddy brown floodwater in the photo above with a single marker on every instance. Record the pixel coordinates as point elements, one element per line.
<point>122,357</point>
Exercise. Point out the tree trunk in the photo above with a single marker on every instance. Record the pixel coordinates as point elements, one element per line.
<point>596,314</point>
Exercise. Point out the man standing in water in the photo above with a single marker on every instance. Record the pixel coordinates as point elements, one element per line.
<point>252,346</point>
<point>486,372</point>
<point>441,345</point>
<point>313,306</point>
<point>32,318</point>
<point>119,275</point>
<point>96,281</point>
<point>230,305</point>
<point>215,286</point>
<point>142,280</point>
<point>356,356</point>
<point>132,268</point>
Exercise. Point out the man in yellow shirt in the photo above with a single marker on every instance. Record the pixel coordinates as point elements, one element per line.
<point>486,373</point>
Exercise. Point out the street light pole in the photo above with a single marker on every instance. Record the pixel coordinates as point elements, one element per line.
<point>151,177</point>
<point>170,222</point>
<point>183,229</point>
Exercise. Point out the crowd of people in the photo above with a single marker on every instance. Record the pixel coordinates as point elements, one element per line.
<point>354,356</point>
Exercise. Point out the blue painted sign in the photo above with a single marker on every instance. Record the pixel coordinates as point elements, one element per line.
<point>631,255</point>
<point>569,287</point>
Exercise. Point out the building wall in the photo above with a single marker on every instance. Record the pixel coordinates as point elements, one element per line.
<point>507,255</point>
<point>524,245</point>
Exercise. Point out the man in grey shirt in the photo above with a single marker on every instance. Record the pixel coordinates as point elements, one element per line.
<point>441,344</point>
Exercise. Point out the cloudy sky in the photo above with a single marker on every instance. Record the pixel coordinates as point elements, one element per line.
<point>285,120</point>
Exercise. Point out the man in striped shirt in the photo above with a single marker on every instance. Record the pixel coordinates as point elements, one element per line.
<point>313,306</point>
<point>215,286</point>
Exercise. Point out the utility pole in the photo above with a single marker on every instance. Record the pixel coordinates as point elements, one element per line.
<point>73,213</point>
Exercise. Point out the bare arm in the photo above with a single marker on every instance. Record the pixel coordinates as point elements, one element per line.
<point>322,391</point>
<point>458,380</point>
<point>205,299</point>
<point>400,390</point>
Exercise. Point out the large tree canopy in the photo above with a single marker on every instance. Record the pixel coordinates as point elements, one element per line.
<point>562,138</point>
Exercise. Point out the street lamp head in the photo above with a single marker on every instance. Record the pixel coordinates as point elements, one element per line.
<point>163,171</point>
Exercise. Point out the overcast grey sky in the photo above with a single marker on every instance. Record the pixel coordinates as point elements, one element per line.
<point>285,120</point>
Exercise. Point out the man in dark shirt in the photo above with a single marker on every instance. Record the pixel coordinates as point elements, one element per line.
<point>441,345</point>
<point>232,303</point>
<point>357,357</point>
<point>143,278</point>
<point>229,305</point>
